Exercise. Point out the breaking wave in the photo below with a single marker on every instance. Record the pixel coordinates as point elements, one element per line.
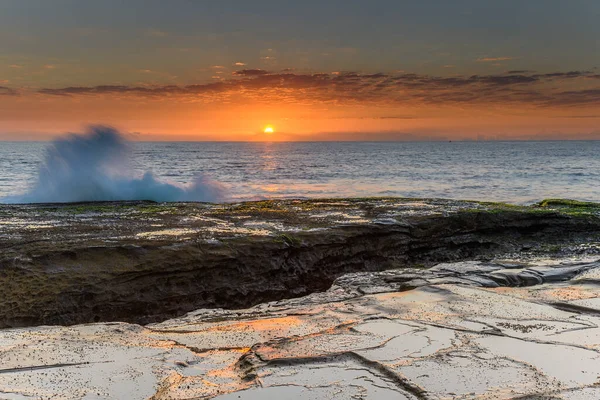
<point>94,167</point>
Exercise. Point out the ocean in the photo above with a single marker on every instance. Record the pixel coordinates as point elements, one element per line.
<point>516,172</point>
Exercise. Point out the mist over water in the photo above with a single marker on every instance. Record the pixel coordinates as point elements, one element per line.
<point>95,166</point>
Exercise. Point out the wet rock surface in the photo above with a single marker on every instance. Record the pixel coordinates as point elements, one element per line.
<point>448,332</point>
<point>147,262</point>
<point>336,299</point>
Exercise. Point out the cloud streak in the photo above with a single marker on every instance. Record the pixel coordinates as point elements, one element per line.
<point>494,59</point>
<point>251,72</point>
<point>513,87</point>
<point>6,91</point>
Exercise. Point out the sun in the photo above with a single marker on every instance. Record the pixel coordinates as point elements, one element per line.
<point>269,130</point>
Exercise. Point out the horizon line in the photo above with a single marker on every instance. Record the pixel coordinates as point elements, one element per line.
<point>328,141</point>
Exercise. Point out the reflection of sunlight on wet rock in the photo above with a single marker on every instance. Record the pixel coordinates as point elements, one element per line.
<point>239,231</point>
<point>266,225</point>
<point>167,232</point>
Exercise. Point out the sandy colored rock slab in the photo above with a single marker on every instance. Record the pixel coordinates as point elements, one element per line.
<point>434,341</point>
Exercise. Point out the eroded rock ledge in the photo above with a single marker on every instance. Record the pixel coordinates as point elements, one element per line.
<point>146,262</point>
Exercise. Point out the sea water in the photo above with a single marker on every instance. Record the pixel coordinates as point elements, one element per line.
<point>517,172</point>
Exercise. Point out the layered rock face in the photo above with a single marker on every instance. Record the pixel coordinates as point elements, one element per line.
<point>146,262</point>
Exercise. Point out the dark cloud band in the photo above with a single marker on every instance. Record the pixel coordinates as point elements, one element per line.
<point>6,91</point>
<point>518,86</point>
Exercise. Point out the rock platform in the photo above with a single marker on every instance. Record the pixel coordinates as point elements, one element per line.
<point>319,299</point>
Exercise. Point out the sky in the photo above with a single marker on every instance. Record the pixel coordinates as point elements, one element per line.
<point>312,70</point>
